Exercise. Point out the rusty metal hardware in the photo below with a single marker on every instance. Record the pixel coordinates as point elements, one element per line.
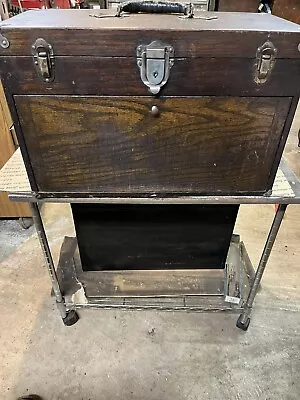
<point>155,62</point>
<point>43,57</point>
<point>4,43</point>
<point>265,61</point>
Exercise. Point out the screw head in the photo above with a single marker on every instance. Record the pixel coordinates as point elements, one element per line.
<point>139,50</point>
<point>4,43</point>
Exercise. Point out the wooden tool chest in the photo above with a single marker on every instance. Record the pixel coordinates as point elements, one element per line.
<point>151,105</point>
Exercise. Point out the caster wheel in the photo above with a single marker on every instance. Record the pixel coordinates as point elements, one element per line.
<point>71,318</point>
<point>241,325</point>
<point>25,223</point>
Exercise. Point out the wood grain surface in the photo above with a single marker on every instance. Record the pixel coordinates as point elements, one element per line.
<point>123,43</point>
<point>121,77</point>
<point>8,209</point>
<point>115,145</point>
<point>7,147</point>
<point>4,108</point>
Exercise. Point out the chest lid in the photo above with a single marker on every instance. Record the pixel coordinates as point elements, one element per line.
<point>209,34</point>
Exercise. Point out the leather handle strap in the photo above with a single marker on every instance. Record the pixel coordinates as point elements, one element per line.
<point>155,7</point>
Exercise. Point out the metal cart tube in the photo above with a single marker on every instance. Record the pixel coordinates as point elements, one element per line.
<point>244,319</point>
<point>69,317</point>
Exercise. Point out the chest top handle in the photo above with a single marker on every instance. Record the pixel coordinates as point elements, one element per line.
<point>156,7</point>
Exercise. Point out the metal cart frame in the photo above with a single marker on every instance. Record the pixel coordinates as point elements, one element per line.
<point>68,308</point>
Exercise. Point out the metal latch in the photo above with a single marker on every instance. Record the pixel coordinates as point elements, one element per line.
<point>155,61</point>
<point>265,61</point>
<point>43,59</point>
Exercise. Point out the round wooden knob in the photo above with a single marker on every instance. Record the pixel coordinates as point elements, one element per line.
<point>155,111</point>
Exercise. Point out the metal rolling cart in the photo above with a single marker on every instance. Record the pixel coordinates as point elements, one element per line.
<point>192,290</point>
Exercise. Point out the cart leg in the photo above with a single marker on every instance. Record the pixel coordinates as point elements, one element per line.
<point>69,317</point>
<point>244,319</point>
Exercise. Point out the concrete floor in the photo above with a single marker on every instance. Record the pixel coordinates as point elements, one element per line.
<point>145,355</point>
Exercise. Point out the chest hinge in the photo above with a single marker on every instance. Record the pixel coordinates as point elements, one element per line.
<point>265,61</point>
<point>43,58</point>
<point>155,62</point>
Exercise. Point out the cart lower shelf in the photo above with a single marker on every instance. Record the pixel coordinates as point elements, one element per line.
<point>197,290</point>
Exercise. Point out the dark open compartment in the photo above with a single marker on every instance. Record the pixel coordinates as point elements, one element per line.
<point>117,237</point>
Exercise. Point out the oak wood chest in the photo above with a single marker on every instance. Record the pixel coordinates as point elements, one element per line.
<point>150,104</point>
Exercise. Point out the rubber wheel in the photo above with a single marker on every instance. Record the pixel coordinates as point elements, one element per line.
<point>26,222</point>
<point>241,325</point>
<point>71,318</point>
